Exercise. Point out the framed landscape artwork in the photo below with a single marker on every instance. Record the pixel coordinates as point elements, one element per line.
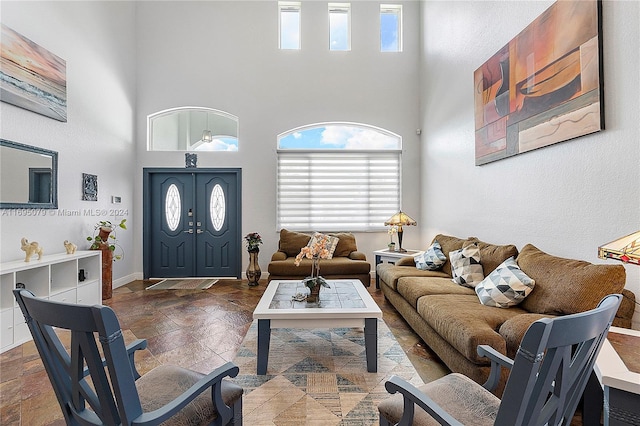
<point>31,77</point>
<point>544,86</point>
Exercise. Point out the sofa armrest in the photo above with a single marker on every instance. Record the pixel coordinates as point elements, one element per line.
<point>406,261</point>
<point>497,361</point>
<point>357,255</point>
<point>279,255</point>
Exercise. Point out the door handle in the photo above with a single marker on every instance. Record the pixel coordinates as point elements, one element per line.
<point>190,231</point>
<point>199,231</point>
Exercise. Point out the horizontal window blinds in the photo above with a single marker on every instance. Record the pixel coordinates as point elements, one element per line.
<point>350,191</point>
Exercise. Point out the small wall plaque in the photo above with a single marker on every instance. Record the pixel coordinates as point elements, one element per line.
<point>191,160</point>
<point>89,187</point>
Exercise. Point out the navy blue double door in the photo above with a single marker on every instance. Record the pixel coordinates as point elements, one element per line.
<point>192,223</point>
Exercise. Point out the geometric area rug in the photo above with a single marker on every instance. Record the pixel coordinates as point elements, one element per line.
<point>318,376</point>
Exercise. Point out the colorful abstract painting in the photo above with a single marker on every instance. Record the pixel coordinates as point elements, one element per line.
<point>31,77</point>
<point>544,86</point>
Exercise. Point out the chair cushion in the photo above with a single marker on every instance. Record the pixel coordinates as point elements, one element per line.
<point>566,286</point>
<point>161,385</point>
<point>335,266</point>
<point>291,242</point>
<point>506,286</point>
<point>461,397</point>
<point>346,244</point>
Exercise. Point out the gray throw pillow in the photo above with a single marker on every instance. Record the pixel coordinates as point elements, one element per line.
<point>466,268</point>
<point>506,286</point>
<point>432,259</point>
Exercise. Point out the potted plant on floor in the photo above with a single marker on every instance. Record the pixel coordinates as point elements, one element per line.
<point>104,232</point>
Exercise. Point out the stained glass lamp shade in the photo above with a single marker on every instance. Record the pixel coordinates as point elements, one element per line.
<point>625,249</point>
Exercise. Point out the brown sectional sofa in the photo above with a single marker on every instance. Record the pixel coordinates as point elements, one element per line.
<point>347,262</point>
<point>453,322</point>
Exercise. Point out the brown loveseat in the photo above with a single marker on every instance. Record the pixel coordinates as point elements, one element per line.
<point>347,261</point>
<point>453,322</point>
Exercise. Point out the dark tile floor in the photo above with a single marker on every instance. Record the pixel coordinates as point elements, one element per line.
<point>196,329</point>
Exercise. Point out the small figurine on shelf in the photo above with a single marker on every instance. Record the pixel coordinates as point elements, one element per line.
<point>70,247</point>
<point>30,249</point>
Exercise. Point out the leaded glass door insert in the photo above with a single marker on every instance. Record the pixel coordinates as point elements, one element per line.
<point>217,207</point>
<point>172,207</point>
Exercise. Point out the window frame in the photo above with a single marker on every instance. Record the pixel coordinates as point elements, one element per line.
<point>284,7</point>
<point>334,9</point>
<point>395,9</point>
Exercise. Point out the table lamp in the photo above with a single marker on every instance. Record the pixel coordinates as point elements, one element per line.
<point>399,220</point>
<point>625,249</point>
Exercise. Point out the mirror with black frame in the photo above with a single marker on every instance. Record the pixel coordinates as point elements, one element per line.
<point>28,176</point>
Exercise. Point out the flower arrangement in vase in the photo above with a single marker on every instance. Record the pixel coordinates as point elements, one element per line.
<point>253,241</point>
<point>392,230</point>
<point>316,250</point>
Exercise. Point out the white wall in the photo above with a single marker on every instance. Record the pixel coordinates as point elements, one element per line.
<point>94,38</point>
<point>224,55</point>
<point>566,199</point>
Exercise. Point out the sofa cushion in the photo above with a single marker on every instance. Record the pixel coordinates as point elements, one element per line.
<point>346,244</point>
<point>291,242</point>
<point>506,286</point>
<point>566,286</point>
<point>466,268</point>
<point>390,273</point>
<point>513,329</point>
<point>465,323</point>
<point>413,288</point>
<point>431,259</point>
<point>492,255</point>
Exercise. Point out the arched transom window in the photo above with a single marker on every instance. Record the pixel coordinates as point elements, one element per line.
<point>192,129</point>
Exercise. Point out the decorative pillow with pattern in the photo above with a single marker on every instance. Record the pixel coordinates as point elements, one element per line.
<point>432,259</point>
<point>466,268</point>
<point>506,286</point>
<point>332,242</point>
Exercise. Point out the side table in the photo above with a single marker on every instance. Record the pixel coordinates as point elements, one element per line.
<point>384,255</point>
<point>618,369</point>
<point>615,385</point>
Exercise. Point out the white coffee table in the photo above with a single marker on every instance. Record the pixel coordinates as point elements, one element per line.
<point>346,304</point>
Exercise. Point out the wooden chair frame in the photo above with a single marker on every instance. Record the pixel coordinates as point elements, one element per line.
<point>110,397</point>
<point>548,375</point>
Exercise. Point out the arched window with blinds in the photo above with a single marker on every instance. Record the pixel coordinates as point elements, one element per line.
<point>338,176</point>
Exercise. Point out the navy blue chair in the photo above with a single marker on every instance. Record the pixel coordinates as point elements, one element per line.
<point>547,379</point>
<point>96,381</point>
